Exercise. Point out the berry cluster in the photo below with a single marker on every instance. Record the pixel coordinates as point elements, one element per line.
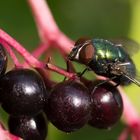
<point>68,105</point>
<point>71,105</point>
<point>23,95</point>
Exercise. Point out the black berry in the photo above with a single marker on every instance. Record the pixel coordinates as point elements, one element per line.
<point>68,106</point>
<point>22,92</point>
<point>3,60</point>
<point>107,106</point>
<point>28,128</point>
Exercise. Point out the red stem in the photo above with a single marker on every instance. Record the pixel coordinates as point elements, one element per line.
<point>64,43</point>
<point>11,53</point>
<point>47,27</point>
<point>18,47</point>
<point>28,57</point>
<point>130,114</point>
<point>60,71</point>
<point>124,134</point>
<point>44,19</point>
<point>5,135</point>
<point>130,117</point>
<point>40,50</point>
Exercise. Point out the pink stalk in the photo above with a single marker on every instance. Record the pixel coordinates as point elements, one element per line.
<point>28,57</point>
<point>11,53</point>
<point>18,47</point>
<point>130,114</point>
<point>60,71</point>
<point>64,44</point>
<point>47,27</point>
<point>130,117</point>
<point>5,135</point>
<point>44,19</point>
<point>124,134</point>
<point>40,50</point>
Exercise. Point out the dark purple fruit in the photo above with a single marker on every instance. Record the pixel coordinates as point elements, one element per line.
<point>28,128</point>
<point>68,106</point>
<point>3,60</point>
<point>107,106</point>
<point>22,92</point>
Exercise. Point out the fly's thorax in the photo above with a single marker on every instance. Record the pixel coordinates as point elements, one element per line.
<point>105,50</point>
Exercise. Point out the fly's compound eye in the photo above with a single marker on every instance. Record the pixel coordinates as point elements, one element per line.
<point>86,53</point>
<point>79,45</point>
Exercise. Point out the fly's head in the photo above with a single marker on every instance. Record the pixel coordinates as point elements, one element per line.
<point>82,53</point>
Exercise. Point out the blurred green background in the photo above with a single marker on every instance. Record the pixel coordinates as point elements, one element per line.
<point>76,18</point>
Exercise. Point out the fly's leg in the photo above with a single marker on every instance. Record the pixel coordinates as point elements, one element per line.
<point>68,68</point>
<point>118,81</point>
<point>83,72</point>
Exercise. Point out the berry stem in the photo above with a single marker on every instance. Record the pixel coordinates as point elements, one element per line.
<point>5,135</point>
<point>130,117</point>
<point>47,27</point>
<point>11,53</point>
<point>31,60</point>
<point>43,19</point>
<point>60,71</point>
<point>19,48</point>
<point>133,118</point>
<point>40,50</point>
<point>124,134</point>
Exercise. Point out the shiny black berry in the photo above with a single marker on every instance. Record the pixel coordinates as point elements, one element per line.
<point>28,128</point>
<point>68,106</point>
<point>3,60</point>
<point>107,106</point>
<point>22,92</point>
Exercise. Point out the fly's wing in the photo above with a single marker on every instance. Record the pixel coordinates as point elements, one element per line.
<point>129,45</point>
<point>129,72</point>
<point>135,80</point>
